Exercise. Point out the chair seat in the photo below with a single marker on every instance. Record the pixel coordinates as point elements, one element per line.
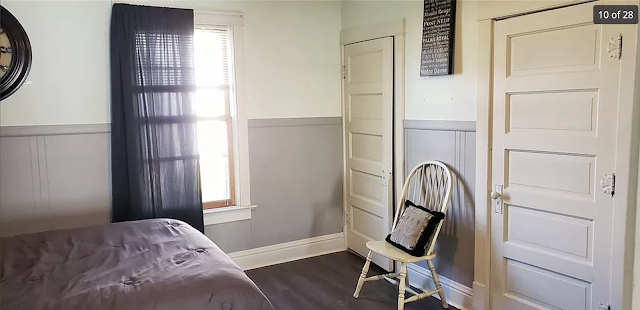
<point>387,250</point>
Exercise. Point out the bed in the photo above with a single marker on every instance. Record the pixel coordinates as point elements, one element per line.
<point>150,264</point>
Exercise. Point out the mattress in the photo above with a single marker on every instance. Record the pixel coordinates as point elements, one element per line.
<point>150,264</point>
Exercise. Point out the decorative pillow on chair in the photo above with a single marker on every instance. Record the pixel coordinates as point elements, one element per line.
<point>415,229</point>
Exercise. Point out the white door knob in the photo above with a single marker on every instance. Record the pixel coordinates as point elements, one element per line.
<point>495,195</point>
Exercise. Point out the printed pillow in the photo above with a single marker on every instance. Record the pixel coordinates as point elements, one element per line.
<point>415,229</point>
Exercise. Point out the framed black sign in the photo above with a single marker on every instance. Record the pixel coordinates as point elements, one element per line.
<point>438,30</point>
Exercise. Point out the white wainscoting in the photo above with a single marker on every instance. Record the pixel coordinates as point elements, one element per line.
<point>53,177</point>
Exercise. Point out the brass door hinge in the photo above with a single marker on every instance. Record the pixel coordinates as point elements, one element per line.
<point>615,47</point>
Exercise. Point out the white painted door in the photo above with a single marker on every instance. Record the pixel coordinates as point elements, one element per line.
<point>368,124</point>
<point>554,130</point>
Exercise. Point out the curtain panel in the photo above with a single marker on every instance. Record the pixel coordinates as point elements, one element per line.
<point>155,163</point>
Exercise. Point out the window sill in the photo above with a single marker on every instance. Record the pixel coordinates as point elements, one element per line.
<point>227,214</point>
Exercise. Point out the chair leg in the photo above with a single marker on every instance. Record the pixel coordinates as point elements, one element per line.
<point>363,275</point>
<point>436,280</point>
<point>402,278</point>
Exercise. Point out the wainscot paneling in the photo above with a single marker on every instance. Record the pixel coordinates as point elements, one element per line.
<point>454,143</point>
<point>53,177</point>
<point>296,183</point>
<point>232,236</point>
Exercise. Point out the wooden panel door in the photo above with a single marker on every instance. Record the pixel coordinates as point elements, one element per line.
<point>368,123</point>
<point>554,130</point>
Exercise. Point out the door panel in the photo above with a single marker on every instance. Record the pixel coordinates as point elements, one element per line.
<point>540,112</point>
<point>552,290</point>
<point>530,53</point>
<point>564,173</point>
<point>555,99</point>
<point>368,122</point>
<point>564,235</point>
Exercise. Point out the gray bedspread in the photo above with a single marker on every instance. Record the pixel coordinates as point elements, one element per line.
<point>150,264</point>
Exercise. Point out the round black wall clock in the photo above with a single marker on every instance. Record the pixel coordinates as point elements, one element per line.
<point>15,54</point>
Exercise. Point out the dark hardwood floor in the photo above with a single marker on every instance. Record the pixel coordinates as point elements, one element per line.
<point>327,282</point>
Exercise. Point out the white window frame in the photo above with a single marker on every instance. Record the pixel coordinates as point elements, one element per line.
<point>242,209</point>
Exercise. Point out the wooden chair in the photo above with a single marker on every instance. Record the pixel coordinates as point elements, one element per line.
<point>428,185</point>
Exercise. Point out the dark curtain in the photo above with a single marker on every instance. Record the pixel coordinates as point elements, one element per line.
<point>155,164</point>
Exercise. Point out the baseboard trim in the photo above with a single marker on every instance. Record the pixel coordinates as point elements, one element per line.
<point>458,295</point>
<point>289,251</point>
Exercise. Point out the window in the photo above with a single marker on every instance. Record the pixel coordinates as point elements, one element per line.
<point>215,110</point>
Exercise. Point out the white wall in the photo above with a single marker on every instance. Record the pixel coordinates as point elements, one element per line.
<point>292,58</point>
<point>291,50</point>
<point>69,75</point>
<point>450,97</point>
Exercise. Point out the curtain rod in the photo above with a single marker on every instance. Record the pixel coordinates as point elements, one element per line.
<point>164,4</point>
